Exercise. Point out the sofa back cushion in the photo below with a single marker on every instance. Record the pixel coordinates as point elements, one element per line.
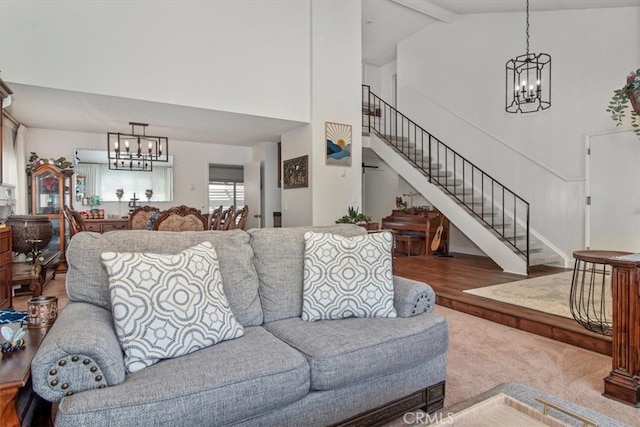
<point>279,261</point>
<point>87,278</point>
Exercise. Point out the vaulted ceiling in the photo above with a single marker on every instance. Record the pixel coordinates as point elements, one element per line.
<point>384,24</point>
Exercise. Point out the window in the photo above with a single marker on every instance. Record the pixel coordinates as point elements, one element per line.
<point>103,182</point>
<point>225,194</point>
<point>226,186</point>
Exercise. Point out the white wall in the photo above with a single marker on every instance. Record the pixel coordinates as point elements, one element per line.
<point>267,154</point>
<point>457,92</point>
<point>336,97</point>
<point>248,56</point>
<point>297,204</point>
<point>190,162</point>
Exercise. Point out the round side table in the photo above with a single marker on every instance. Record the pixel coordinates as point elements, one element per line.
<point>590,295</point>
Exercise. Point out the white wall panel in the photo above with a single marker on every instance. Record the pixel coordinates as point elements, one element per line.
<point>249,56</point>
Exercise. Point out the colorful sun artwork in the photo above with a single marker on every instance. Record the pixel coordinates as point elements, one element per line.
<point>338,137</point>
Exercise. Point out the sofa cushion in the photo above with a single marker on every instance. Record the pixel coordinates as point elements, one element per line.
<point>347,276</point>
<point>351,350</point>
<point>218,385</point>
<point>278,258</point>
<point>87,278</point>
<point>166,306</point>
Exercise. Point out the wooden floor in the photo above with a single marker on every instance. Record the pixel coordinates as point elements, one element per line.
<point>450,276</point>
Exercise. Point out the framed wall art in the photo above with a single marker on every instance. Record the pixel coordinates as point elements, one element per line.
<point>295,172</point>
<point>338,138</point>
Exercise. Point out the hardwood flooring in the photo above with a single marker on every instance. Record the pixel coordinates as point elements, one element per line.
<point>451,276</point>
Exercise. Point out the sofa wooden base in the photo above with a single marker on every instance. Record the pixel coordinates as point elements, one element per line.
<point>428,400</point>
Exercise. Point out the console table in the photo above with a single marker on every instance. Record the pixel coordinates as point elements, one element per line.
<point>104,225</point>
<point>22,272</point>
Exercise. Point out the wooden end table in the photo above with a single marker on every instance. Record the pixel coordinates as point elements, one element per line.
<point>22,272</point>
<point>15,373</point>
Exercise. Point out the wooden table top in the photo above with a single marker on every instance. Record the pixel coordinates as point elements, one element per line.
<point>15,367</point>
<point>597,256</point>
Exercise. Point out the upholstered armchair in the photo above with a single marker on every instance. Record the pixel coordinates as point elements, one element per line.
<point>139,218</point>
<point>181,218</point>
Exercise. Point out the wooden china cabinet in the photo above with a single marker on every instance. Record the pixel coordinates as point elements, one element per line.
<point>5,233</point>
<point>51,188</point>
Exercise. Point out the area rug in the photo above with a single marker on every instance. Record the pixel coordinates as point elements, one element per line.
<point>12,316</point>
<point>548,294</point>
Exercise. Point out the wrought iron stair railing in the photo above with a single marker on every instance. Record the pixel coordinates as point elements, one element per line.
<point>495,205</point>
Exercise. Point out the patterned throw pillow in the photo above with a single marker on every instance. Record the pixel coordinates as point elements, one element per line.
<point>166,306</point>
<point>347,276</point>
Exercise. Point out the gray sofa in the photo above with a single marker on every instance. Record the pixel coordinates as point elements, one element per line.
<point>282,371</point>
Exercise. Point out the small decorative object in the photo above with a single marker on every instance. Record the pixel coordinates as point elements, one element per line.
<point>35,257</point>
<point>400,204</point>
<point>119,193</point>
<point>35,161</point>
<point>29,231</point>
<point>133,201</point>
<point>152,219</point>
<point>338,139</point>
<point>296,172</point>
<point>149,193</point>
<point>43,311</point>
<point>14,340</point>
<point>629,93</point>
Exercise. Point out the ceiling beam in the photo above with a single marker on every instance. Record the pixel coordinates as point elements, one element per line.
<point>427,8</point>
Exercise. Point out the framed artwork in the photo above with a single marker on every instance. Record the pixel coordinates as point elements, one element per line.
<point>295,172</point>
<point>338,139</point>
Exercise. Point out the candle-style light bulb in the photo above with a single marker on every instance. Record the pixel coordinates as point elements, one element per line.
<point>160,150</point>
<point>126,145</point>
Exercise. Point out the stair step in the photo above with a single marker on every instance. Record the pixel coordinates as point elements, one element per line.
<point>545,258</point>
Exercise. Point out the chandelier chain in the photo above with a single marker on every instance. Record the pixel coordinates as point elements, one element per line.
<point>527,28</point>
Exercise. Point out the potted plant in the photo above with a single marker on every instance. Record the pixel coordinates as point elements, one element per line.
<point>629,93</point>
<point>354,217</point>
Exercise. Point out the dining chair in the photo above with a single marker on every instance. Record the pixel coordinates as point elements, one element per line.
<point>139,218</point>
<point>75,220</point>
<point>227,219</point>
<point>215,219</point>
<point>181,218</point>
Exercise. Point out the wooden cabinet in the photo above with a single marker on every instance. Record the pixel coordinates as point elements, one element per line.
<point>50,189</point>
<point>105,225</point>
<point>5,92</point>
<point>6,258</point>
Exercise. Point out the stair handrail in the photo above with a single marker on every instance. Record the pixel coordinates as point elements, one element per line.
<point>382,118</point>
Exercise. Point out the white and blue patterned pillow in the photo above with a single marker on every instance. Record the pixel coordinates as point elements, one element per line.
<point>347,276</point>
<point>166,306</point>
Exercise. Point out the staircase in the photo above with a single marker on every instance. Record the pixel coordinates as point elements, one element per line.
<point>495,218</point>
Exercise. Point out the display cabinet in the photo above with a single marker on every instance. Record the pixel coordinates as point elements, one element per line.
<point>50,189</point>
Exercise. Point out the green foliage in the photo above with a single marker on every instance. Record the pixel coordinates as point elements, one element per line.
<point>353,217</point>
<point>620,101</point>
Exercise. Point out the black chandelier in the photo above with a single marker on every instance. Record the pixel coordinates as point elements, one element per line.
<point>135,151</point>
<point>528,81</point>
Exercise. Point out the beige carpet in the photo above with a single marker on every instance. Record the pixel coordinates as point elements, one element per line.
<point>483,354</point>
<point>549,294</point>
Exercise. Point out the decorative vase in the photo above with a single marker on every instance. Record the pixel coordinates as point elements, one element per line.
<point>29,232</point>
<point>634,97</point>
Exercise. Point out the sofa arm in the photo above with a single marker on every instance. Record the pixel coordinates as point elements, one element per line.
<point>412,297</point>
<point>80,352</point>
